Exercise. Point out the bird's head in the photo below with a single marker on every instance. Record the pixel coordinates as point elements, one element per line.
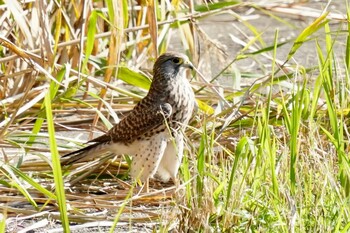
<point>169,65</point>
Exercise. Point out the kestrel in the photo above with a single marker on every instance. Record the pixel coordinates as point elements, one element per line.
<point>152,134</point>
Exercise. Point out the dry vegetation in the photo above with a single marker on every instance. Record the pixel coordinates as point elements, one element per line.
<point>268,150</point>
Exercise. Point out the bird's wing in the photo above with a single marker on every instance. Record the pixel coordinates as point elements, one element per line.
<point>140,121</point>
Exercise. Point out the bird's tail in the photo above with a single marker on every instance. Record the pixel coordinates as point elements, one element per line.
<point>84,154</point>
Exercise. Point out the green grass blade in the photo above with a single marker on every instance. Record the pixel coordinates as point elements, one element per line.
<point>240,151</point>
<point>90,38</point>
<point>125,13</point>
<point>214,6</point>
<point>33,183</point>
<point>133,78</point>
<point>110,9</point>
<point>7,171</point>
<point>56,165</point>
<point>205,107</point>
<point>201,165</point>
<point>347,50</point>
<point>3,217</point>
<point>186,173</point>
<point>315,26</point>
<point>121,208</point>
<point>41,115</point>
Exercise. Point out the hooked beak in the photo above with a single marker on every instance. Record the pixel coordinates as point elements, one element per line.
<point>188,64</point>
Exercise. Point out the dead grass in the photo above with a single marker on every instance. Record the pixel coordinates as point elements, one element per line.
<point>267,154</point>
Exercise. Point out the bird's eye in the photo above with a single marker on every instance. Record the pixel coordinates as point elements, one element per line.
<point>177,60</point>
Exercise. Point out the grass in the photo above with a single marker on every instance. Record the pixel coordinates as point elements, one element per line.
<point>268,154</point>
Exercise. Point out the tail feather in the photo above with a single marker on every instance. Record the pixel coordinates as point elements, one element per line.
<point>82,154</point>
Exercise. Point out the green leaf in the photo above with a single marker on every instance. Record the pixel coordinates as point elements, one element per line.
<point>15,182</point>
<point>347,51</point>
<point>214,6</point>
<point>3,221</point>
<point>110,9</point>
<point>56,165</point>
<point>125,13</point>
<point>205,107</point>
<point>218,191</point>
<point>315,26</point>
<point>90,41</point>
<point>30,181</point>
<point>133,78</point>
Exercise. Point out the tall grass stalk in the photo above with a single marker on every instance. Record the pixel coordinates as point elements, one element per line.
<point>56,166</point>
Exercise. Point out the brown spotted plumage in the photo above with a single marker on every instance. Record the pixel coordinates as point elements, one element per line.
<point>152,132</point>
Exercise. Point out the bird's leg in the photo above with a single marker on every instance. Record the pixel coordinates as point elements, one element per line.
<point>147,185</point>
<point>176,182</point>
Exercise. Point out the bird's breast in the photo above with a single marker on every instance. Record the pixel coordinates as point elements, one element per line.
<point>182,100</point>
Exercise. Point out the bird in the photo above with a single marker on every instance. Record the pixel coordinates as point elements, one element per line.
<point>152,133</point>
